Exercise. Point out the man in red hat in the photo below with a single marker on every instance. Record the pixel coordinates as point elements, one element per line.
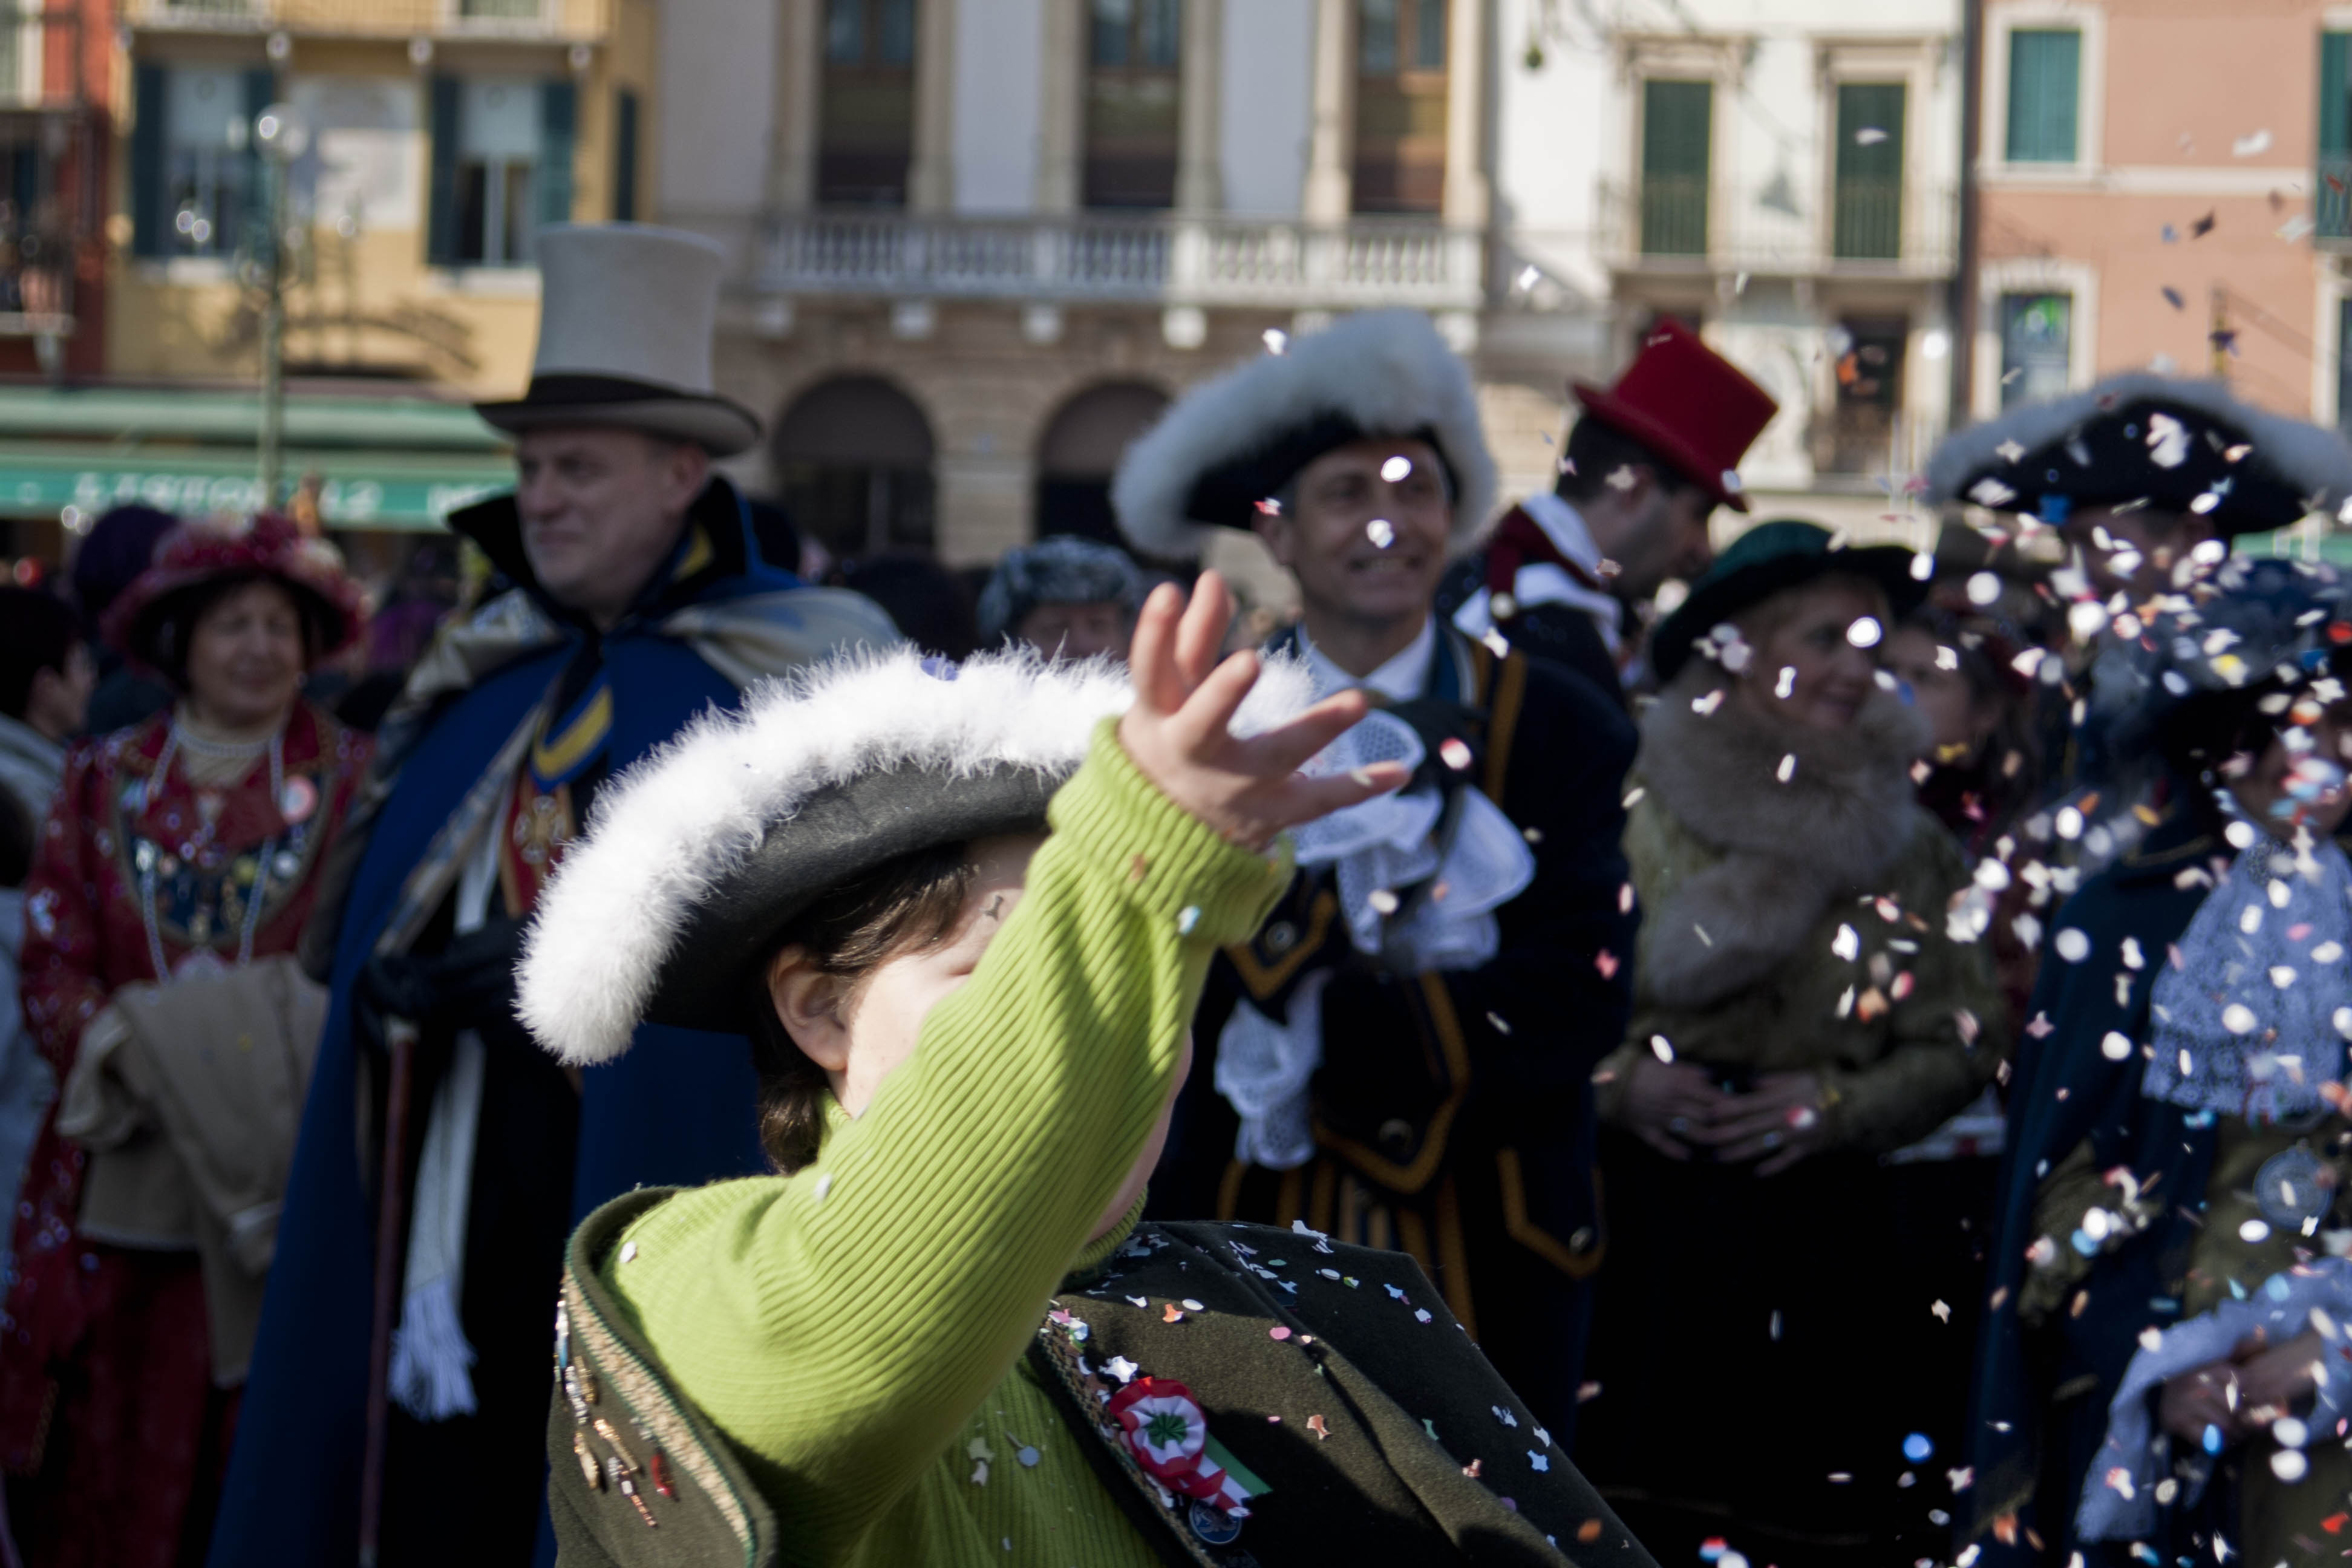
<point>1648,462</point>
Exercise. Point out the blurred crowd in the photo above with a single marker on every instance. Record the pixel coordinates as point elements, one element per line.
<point>1856,1035</point>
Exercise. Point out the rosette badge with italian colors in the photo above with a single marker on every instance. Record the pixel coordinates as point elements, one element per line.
<point>626,312</point>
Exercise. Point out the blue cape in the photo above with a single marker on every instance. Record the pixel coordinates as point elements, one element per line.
<point>2064,1091</point>
<point>680,1107</point>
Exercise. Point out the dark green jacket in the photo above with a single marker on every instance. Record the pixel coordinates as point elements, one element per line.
<point>1408,1407</point>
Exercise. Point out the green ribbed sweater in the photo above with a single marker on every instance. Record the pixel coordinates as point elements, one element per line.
<point>854,1328</point>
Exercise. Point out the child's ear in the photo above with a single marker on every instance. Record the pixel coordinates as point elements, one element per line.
<point>810,1004</point>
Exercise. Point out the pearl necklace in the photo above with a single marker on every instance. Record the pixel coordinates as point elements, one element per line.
<point>176,739</point>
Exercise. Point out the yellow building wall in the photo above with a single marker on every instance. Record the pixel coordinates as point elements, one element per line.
<point>368,303</point>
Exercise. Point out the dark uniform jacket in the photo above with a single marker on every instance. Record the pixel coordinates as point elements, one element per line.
<point>1426,1457</point>
<point>1453,1111</point>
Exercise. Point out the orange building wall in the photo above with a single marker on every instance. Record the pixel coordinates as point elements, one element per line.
<point>2185,83</point>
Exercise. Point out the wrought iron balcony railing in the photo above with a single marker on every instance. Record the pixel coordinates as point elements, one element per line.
<point>1169,260</point>
<point>1875,229</point>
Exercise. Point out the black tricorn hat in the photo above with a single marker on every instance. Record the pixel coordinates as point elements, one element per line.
<point>2170,443</point>
<point>699,858</point>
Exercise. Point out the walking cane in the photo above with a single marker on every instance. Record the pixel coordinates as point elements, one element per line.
<point>390,1226</point>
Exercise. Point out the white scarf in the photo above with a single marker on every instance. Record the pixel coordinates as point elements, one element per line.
<point>1380,851</point>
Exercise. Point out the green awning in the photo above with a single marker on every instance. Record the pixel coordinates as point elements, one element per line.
<point>387,462</point>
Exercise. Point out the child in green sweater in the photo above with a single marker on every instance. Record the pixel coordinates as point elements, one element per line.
<point>938,1335</point>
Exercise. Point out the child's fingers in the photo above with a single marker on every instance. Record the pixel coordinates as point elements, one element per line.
<point>1157,687</point>
<point>1286,747</point>
<point>1203,727</point>
<point>1203,630</point>
<point>1305,799</point>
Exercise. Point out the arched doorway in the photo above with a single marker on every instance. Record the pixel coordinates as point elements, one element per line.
<point>852,459</point>
<point>1081,451</point>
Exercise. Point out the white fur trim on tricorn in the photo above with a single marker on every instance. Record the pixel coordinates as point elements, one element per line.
<point>1388,371</point>
<point>670,830</point>
<point>2309,457</point>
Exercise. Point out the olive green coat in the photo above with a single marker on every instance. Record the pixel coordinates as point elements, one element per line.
<point>1800,922</point>
<point>1379,1432</point>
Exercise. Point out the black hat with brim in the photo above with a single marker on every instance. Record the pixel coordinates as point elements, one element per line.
<point>1772,558</point>
<point>2169,444</point>
<point>839,837</point>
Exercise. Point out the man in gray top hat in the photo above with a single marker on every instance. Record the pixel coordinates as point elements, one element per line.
<point>638,599</point>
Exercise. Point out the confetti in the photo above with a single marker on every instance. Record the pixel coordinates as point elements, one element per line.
<point>1381,531</point>
<point>1422,1313</point>
<point>2074,945</point>
<point>1277,1332</point>
<point>1504,1416</point>
<point>2116,1047</point>
<point>1276,339</point>
<point>1396,468</point>
<point>1788,768</point>
<point>824,1186</point>
<point>1540,1461</point>
<point>1918,1448</point>
<point>628,1251</point>
<point>1943,1311</point>
<point>1661,1048</point>
<point>1383,901</point>
<point>1315,1423</point>
<point>1456,753</point>
<point>1526,280</point>
<point>2172,298</point>
<point>1866,632</point>
<point>2289,1465</point>
<point>1605,962</point>
<point>1187,918</point>
<point>1473,1468</point>
<point>2252,145</point>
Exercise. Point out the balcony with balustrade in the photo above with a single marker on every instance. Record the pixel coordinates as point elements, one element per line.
<point>556,21</point>
<point>1112,260</point>
<point>1686,226</point>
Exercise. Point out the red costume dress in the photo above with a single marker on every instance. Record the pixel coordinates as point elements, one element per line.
<point>111,1428</point>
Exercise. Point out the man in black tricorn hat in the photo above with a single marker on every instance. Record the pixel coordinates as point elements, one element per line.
<point>2148,479</point>
<point>2141,469</point>
<point>1402,1056</point>
<point>640,600</point>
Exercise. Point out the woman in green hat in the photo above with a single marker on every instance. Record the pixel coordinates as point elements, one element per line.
<point>1799,1011</point>
<point>938,1334</point>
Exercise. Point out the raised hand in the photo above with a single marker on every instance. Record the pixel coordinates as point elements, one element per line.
<point>1177,735</point>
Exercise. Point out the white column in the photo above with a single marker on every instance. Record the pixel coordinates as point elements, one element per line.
<point>1331,144</point>
<point>1466,200</point>
<point>1200,179</point>
<point>931,175</point>
<point>1061,128</point>
<point>800,77</point>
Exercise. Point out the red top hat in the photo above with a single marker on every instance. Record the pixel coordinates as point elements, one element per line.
<point>1688,405</point>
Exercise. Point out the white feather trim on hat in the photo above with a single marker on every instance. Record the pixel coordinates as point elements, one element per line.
<point>668,831</point>
<point>2310,458</point>
<point>1387,371</point>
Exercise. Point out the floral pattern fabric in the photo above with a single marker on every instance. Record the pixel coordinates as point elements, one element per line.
<point>138,876</point>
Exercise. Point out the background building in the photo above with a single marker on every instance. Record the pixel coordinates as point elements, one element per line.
<point>437,135</point>
<point>980,246</point>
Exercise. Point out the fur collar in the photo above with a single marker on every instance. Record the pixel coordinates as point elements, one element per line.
<point>1789,850</point>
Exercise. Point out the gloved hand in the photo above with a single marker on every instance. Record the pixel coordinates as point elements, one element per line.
<point>469,984</point>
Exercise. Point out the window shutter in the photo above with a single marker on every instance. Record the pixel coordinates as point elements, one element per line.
<point>558,117</point>
<point>2044,82</point>
<point>624,157</point>
<point>1675,118</point>
<point>441,202</point>
<point>2334,122</point>
<point>150,218</point>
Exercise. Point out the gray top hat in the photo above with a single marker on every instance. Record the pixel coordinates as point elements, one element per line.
<point>626,313</point>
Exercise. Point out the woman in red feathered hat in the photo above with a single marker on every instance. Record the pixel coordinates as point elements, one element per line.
<point>171,880</point>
